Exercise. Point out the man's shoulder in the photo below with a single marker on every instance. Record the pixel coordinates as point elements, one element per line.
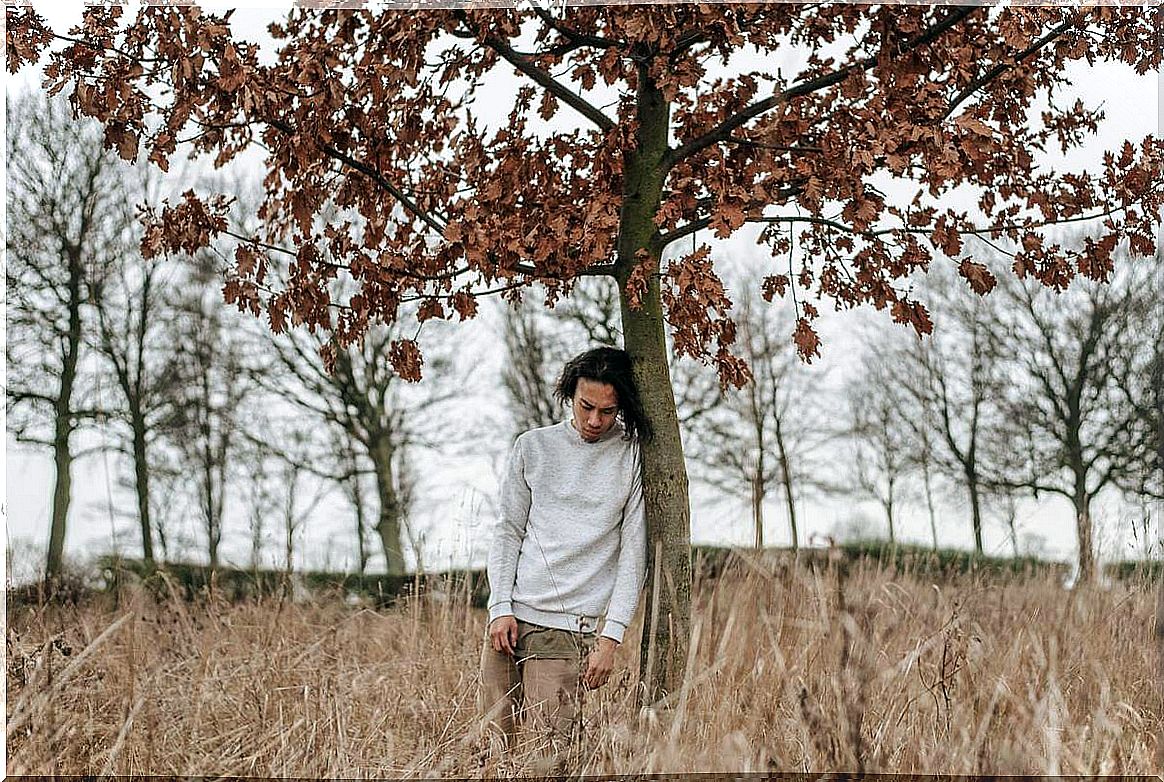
<point>539,434</point>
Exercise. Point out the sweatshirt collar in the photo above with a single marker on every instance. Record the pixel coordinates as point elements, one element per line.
<point>576,436</point>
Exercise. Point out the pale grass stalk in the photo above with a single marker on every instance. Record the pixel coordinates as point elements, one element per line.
<point>1160,672</point>
<point>685,690</point>
<point>107,770</point>
<point>29,700</point>
<point>657,579</point>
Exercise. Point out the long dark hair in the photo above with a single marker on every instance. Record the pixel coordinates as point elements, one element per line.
<point>613,367</point>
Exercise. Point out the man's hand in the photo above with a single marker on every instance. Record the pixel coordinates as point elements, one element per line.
<point>503,634</point>
<point>600,663</point>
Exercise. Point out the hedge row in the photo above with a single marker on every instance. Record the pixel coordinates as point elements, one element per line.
<point>194,581</point>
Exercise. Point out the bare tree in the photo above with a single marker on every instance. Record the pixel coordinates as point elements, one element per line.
<point>591,312</point>
<point>65,225</point>
<point>531,355</point>
<point>297,502</point>
<point>925,461</point>
<point>765,435</point>
<point>133,338</point>
<point>1010,510</point>
<point>883,454</point>
<point>1082,363</point>
<point>277,482</point>
<point>539,342</point>
<point>261,501</point>
<point>949,385</point>
<point>351,483</point>
<point>1151,404</point>
<point>214,380</point>
<point>374,419</point>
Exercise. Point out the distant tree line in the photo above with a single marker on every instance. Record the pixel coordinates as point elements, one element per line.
<point>209,413</point>
<point>1027,392</point>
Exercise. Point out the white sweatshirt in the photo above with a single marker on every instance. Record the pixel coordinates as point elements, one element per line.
<point>570,544</point>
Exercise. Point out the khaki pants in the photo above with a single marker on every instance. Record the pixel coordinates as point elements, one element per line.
<point>539,688</point>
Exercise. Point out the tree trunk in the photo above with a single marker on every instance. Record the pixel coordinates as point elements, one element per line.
<point>758,509</point>
<point>663,655</point>
<point>206,430</point>
<point>1011,519</point>
<point>63,430</point>
<point>667,629</point>
<point>62,493</point>
<point>289,519</point>
<point>1083,531</point>
<point>786,479</point>
<point>361,524</point>
<point>213,533</point>
<point>388,525</point>
<point>351,486</point>
<point>975,511</point>
<point>887,506</point>
<point>142,486</point>
<point>930,501</point>
<point>257,528</point>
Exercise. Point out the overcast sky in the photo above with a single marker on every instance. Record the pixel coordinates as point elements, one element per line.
<point>456,516</point>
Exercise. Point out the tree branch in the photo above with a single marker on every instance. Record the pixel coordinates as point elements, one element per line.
<point>924,230</point>
<point>575,38</point>
<point>777,147</point>
<point>546,81</point>
<point>993,73</point>
<point>408,204</point>
<point>723,131</point>
<point>601,270</point>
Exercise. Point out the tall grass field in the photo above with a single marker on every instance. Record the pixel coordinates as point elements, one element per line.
<point>791,669</point>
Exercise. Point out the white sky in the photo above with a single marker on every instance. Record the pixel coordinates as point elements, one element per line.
<point>456,515</point>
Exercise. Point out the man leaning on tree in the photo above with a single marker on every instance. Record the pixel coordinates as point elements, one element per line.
<point>568,556</point>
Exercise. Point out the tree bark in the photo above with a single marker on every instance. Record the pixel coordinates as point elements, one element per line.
<point>388,524</point>
<point>1083,532</point>
<point>663,654</point>
<point>63,429</point>
<point>930,500</point>
<point>141,481</point>
<point>664,644</point>
<point>975,511</point>
<point>758,508</point>
<point>786,478</point>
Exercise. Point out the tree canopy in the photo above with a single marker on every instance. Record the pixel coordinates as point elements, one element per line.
<point>378,115</point>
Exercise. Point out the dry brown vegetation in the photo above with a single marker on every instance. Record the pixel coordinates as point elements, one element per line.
<point>791,670</point>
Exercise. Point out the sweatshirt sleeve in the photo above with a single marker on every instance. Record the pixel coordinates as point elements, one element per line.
<point>508,534</point>
<point>631,568</point>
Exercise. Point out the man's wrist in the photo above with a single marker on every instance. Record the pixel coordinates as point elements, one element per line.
<point>500,609</point>
<point>614,630</point>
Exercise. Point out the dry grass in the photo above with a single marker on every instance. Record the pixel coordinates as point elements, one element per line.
<point>793,671</point>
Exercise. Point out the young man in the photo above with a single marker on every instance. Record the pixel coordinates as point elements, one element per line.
<point>568,556</point>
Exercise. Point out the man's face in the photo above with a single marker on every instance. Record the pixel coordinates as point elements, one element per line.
<point>595,408</point>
